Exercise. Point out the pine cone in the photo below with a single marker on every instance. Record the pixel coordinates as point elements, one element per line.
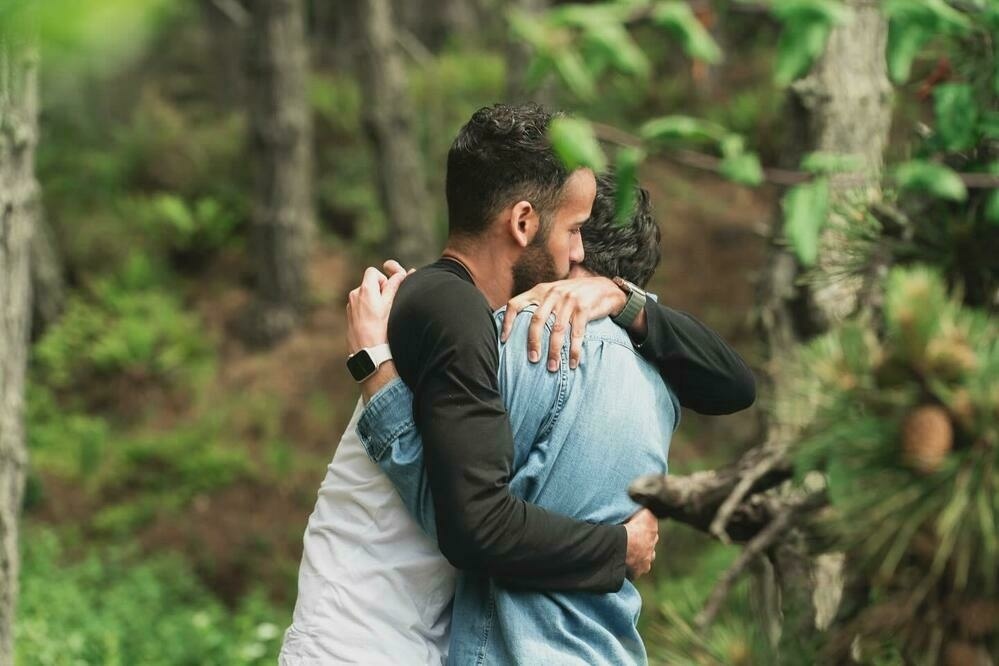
<point>927,438</point>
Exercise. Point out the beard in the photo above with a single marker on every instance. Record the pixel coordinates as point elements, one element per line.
<point>534,266</point>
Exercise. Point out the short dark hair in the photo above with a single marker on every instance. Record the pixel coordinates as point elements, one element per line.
<point>630,250</point>
<point>501,156</point>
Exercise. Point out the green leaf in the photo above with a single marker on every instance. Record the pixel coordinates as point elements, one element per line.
<point>956,115</point>
<point>743,168</point>
<point>805,209</point>
<point>576,144</point>
<point>626,183</point>
<point>823,163</point>
<point>678,18</point>
<point>911,24</point>
<point>905,40</point>
<point>617,46</point>
<point>574,74</point>
<point>682,128</point>
<point>801,42</point>
<point>737,165</point>
<point>935,179</point>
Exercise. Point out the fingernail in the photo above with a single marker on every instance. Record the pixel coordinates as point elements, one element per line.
<point>573,363</point>
<point>534,356</point>
<point>552,365</point>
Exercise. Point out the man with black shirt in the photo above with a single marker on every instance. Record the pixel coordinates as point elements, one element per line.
<point>515,214</point>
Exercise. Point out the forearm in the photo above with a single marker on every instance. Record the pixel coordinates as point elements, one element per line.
<point>385,373</point>
<point>707,375</point>
<point>391,440</point>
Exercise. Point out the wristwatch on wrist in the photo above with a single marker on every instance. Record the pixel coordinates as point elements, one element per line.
<point>633,306</point>
<point>365,363</point>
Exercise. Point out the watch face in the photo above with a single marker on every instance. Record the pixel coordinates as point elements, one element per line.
<point>360,365</point>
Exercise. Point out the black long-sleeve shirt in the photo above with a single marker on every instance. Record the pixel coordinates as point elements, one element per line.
<point>445,347</point>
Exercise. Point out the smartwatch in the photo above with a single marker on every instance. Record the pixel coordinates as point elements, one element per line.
<point>633,306</point>
<point>365,363</point>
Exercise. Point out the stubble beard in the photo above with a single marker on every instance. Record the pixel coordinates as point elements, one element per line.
<point>534,266</point>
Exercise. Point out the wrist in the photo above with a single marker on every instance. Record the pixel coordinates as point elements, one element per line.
<point>385,373</point>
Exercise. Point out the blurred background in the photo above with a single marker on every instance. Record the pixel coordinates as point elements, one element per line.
<point>214,176</point>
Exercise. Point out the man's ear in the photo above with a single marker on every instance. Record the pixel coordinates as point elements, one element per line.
<point>522,222</point>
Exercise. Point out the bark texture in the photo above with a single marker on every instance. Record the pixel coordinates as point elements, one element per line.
<point>390,125</point>
<point>282,225</point>
<point>18,204</point>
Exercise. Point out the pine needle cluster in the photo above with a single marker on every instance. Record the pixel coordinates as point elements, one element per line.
<point>905,425</point>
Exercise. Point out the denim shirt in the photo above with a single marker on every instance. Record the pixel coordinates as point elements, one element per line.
<point>580,437</point>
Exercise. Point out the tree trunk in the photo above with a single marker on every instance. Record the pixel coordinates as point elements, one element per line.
<point>842,107</point>
<point>389,122</point>
<point>18,204</point>
<point>282,224</point>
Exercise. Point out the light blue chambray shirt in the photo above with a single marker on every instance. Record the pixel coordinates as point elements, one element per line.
<point>580,438</point>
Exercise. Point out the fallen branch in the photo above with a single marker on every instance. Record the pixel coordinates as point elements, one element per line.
<point>695,499</point>
<point>781,522</point>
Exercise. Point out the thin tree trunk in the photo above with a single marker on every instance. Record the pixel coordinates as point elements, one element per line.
<point>390,124</point>
<point>843,106</point>
<point>18,204</point>
<point>282,219</point>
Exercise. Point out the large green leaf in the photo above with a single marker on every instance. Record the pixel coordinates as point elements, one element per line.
<point>576,144</point>
<point>683,128</point>
<point>626,182</point>
<point>801,42</point>
<point>932,178</point>
<point>956,115</point>
<point>574,74</point>
<point>618,48</point>
<point>805,209</point>
<point>679,19</point>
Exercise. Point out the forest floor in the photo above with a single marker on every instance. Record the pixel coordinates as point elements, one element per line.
<point>289,405</point>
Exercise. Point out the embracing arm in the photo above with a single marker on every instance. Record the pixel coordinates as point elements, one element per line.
<point>446,351</point>
<point>707,375</point>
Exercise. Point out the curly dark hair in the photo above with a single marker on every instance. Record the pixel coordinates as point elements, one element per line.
<point>629,250</point>
<point>502,155</point>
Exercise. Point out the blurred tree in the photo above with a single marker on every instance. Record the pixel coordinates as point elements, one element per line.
<point>18,206</point>
<point>390,125</point>
<point>282,224</point>
<point>227,22</point>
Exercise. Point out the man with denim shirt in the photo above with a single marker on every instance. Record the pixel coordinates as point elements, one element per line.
<point>371,591</point>
<point>580,437</point>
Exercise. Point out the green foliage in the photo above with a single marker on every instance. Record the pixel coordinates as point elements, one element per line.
<point>912,23</point>
<point>806,28</point>
<point>626,181</point>
<point>932,178</point>
<point>679,19</point>
<point>576,144</point>
<point>667,622</point>
<point>686,128</point>
<point>125,326</point>
<point>917,508</point>
<point>737,164</point>
<point>956,115</point>
<point>110,608</point>
<point>805,209</point>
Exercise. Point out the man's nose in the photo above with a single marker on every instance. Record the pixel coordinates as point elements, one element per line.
<point>576,252</point>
